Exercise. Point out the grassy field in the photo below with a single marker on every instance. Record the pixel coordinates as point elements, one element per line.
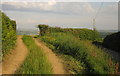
<point>96,61</point>
<point>36,61</point>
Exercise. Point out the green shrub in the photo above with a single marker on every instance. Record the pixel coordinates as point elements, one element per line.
<point>8,34</point>
<point>112,41</point>
<point>43,29</point>
<point>0,35</point>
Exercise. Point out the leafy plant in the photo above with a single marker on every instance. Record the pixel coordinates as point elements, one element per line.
<point>8,34</point>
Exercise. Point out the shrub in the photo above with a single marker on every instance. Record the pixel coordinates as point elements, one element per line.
<point>43,29</point>
<point>0,36</point>
<point>8,34</point>
<point>112,42</point>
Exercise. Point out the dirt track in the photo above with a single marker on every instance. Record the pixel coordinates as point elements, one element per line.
<point>54,60</point>
<point>13,60</point>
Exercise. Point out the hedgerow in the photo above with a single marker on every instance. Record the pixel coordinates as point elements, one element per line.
<point>82,34</point>
<point>8,34</point>
<point>0,35</point>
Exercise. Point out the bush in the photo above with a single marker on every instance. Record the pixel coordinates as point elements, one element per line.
<point>43,29</point>
<point>8,34</point>
<point>0,36</point>
<point>112,42</point>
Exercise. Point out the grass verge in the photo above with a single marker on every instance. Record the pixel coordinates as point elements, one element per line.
<point>72,65</point>
<point>36,61</point>
<point>96,61</point>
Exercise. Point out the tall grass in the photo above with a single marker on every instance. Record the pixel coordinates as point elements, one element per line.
<point>95,59</point>
<point>36,61</point>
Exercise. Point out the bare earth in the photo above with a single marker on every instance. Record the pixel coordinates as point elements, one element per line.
<point>54,60</point>
<point>13,61</point>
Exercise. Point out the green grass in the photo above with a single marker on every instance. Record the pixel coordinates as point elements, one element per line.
<point>96,61</point>
<point>36,61</point>
<point>83,34</point>
<point>72,65</point>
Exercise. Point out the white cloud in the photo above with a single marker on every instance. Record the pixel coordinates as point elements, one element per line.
<point>60,7</point>
<point>74,14</point>
<point>53,6</point>
<point>60,0</point>
<point>41,5</point>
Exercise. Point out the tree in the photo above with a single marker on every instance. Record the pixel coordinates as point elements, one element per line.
<point>43,29</point>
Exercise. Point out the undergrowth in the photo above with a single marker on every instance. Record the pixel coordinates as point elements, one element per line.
<point>96,61</point>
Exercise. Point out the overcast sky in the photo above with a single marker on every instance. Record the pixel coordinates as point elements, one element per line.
<point>63,14</point>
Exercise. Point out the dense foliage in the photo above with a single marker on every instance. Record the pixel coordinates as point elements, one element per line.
<point>112,41</point>
<point>36,62</point>
<point>0,27</point>
<point>8,34</point>
<point>83,34</point>
<point>95,60</point>
<point>42,28</point>
<point>0,35</point>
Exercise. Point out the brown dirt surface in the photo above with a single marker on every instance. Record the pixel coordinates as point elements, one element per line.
<point>15,58</point>
<point>52,57</point>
